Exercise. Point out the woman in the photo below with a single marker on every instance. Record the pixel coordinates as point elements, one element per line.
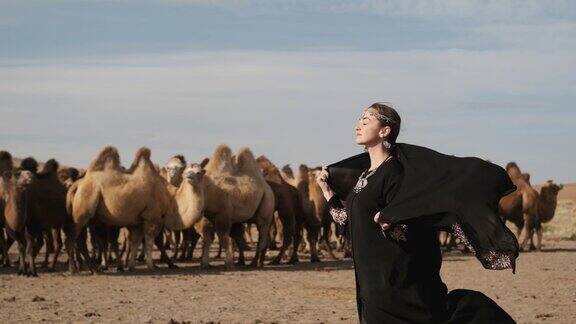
<point>402,195</point>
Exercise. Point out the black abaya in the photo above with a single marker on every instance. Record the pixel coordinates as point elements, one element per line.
<point>397,272</point>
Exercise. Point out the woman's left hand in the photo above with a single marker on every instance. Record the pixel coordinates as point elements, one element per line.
<point>384,226</point>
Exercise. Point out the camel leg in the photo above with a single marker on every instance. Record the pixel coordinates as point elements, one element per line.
<point>207,237</point>
<point>263,235</point>
<point>312,240</point>
<point>151,231</point>
<point>238,236</point>
<point>32,246</point>
<point>297,241</point>
<point>527,230</point>
<point>49,243</point>
<point>57,248</point>
<point>223,231</point>
<point>159,242</point>
<point>288,228</point>
<point>326,237</point>
<point>192,241</point>
<point>539,235</point>
<point>136,235</point>
<point>4,246</point>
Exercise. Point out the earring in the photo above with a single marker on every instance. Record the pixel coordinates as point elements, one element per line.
<point>386,144</point>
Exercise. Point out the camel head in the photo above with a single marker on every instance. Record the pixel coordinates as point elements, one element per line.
<point>194,174</point>
<point>174,169</point>
<point>551,189</point>
<point>29,164</point>
<point>269,170</point>
<point>6,163</point>
<point>67,176</point>
<point>15,182</point>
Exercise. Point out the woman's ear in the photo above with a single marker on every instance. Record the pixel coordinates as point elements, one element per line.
<point>385,131</point>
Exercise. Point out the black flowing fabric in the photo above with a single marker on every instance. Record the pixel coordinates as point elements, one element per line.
<point>419,191</point>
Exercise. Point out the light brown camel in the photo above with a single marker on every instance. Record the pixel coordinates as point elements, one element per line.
<point>238,193</point>
<point>186,239</point>
<point>521,206</point>
<point>136,198</point>
<point>289,209</point>
<point>13,195</point>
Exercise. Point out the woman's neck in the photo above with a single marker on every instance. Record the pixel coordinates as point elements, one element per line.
<point>378,154</point>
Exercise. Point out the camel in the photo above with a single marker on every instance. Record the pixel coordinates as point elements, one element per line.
<point>237,193</point>
<point>547,202</point>
<point>14,186</point>
<point>521,206</point>
<point>6,165</point>
<point>136,198</point>
<point>47,213</point>
<point>289,209</point>
<point>304,184</point>
<point>173,173</point>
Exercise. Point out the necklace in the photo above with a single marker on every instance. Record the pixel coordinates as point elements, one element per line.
<point>363,179</point>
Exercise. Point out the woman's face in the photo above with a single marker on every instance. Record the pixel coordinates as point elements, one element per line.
<point>369,130</point>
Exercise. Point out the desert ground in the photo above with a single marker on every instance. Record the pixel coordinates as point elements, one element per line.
<point>543,290</point>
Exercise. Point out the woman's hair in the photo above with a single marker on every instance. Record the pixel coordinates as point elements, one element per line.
<point>391,118</point>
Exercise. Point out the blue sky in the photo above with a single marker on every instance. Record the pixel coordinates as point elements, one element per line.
<point>493,79</point>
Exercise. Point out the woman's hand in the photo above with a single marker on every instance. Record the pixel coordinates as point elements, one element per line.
<point>322,181</point>
<point>384,226</point>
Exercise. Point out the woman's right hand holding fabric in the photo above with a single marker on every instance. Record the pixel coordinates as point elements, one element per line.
<point>322,180</point>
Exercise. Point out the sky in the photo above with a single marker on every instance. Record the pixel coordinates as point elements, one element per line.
<point>289,79</point>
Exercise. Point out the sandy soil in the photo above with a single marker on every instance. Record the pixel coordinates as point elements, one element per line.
<point>543,290</point>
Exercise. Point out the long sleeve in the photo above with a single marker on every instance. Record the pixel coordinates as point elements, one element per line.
<point>389,189</point>
<point>337,210</point>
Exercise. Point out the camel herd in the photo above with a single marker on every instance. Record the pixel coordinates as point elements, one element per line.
<point>179,204</point>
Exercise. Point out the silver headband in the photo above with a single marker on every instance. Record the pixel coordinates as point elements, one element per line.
<point>383,118</point>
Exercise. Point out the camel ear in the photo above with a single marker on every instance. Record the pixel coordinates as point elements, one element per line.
<point>204,162</point>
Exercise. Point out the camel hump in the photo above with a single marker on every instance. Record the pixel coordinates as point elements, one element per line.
<point>221,159</point>
<point>287,169</point>
<point>245,162</point>
<point>51,166</point>
<point>108,154</point>
<point>29,164</point>
<point>142,155</point>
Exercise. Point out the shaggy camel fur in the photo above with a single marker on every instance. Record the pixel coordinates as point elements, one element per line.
<point>521,206</point>
<point>238,193</point>
<point>137,199</point>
